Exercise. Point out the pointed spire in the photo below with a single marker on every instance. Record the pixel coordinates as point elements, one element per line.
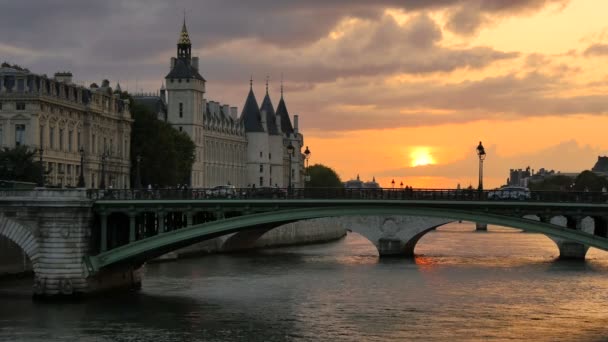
<point>184,38</point>
<point>267,78</point>
<point>251,83</point>
<point>162,86</point>
<point>357,176</point>
<point>281,85</point>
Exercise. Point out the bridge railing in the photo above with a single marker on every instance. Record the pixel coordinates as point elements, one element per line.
<point>349,194</point>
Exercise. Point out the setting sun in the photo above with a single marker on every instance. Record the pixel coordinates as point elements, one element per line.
<point>421,156</point>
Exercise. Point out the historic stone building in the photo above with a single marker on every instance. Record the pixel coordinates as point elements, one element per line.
<point>65,120</point>
<point>244,151</point>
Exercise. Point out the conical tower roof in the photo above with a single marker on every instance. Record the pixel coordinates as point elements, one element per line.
<point>184,38</point>
<point>271,120</point>
<point>286,126</point>
<point>250,115</point>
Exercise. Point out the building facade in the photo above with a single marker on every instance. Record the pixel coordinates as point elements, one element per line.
<point>65,121</point>
<point>252,149</point>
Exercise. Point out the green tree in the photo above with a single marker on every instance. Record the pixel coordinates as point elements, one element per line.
<point>589,181</point>
<point>553,183</point>
<point>19,164</point>
<point>166,154</point>
<point>322,176</point>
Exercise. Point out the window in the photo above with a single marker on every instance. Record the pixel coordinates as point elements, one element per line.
<point>93,145</point>
<point>261,154</point>
<point>20,105</point>
<point>0,105</point>
<point>269,156</point>
<point>70,138</point>
<point>181,110</point>
<point>180,128</point>
<point>69,169</point>
<point>61,139</point>
<point>52,137</point>
<point>19,135</point>
<point>261,168</point>
<point>261,181</point>
<point>60,168</point>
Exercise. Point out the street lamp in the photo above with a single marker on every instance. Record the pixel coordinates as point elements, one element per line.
<point>137,174</point>
<point>306,157</point>
<point>393,183</point>
<point>481,153</point>
<point>102,183</point>
<point>290,150</point>
<point>41,183</point>
<point>81,176</point>
<point>401,185</point>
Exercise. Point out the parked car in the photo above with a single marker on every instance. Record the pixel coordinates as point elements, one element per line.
<point>222,191</point>
<point>268,192</point>
<point>510,193</point>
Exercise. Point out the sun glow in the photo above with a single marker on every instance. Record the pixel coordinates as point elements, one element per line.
<point>421,156</point>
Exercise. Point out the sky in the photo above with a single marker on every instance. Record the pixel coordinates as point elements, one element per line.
<point>398,90</point>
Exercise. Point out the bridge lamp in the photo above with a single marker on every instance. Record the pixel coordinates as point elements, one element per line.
<point>481,153</point>
<point>81,176</point>
<point>401,185</point>
<point>290,150</point>
<point>306,157</point>
<point>41,150</point>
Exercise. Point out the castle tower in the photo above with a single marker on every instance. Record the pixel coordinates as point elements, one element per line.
<point>185,89</point>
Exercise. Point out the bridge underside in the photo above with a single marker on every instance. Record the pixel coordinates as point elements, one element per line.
<point>391,231</point>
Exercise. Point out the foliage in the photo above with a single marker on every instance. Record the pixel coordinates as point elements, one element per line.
<point>166,154</point>
<point>20,164</point>
<point>322,176</point>
<point>590,181</point>
<point>553,183</point>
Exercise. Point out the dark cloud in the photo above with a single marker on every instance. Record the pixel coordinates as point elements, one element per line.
<point>596,50</point>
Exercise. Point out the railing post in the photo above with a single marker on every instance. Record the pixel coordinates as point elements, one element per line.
<point>104,231</point>
<point>188,218</point>
<point>160,214</point>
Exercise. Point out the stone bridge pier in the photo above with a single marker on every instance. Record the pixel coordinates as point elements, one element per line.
<point>393,235</point>
<point>54,229</point>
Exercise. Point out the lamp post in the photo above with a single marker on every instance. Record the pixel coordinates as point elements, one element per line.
<point>393,183</point>
<point>102,182</point>
<point>481,153</point>
<point>81,176</point>
<point>401,185</point>
<point>306,157</point>
<point>41,183</point>
<point>290,150</point>
<point>137,172</point>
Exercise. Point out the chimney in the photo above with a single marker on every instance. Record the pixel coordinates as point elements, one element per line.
<point>226,110</point>
<point>295,124</point>
<point>172,63</point>
<point>195,62</point>
<point>234,113</point>
<point>264,120</point>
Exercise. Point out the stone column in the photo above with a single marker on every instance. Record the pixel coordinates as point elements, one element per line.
<point>132,217</point>
<point>103,216</point>
<point>570,249</point>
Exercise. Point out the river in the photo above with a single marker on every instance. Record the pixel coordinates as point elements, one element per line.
<point>463,286</point>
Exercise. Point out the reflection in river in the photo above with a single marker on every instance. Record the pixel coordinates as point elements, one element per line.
<point>463,285</point>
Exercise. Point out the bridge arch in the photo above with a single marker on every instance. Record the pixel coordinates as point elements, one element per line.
<point>140,251</point>
<point>22,237</point>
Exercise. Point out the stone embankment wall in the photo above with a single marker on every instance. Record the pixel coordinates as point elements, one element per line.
<point>296,233</point>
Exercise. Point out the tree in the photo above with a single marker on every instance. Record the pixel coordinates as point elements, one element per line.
<point>553,183</point>
<point>322,176</point>
<point>166,154</point>
<point>19,164</point>
<point>589,181</point>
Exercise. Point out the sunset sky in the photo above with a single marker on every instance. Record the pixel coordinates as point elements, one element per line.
<point>381,86</point>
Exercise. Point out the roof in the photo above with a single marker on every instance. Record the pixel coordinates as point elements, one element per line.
<point>153,103</point>
<point>286,126</point>
<point>271,120</point>
<point>251,116</point>
<point>601,165</point>
<point>183,69</point>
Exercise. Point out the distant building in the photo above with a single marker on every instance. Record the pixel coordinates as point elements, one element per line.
<point>358,184</point>
<point>519,177</point>
<point>61,117</point>
<point>601,166</point>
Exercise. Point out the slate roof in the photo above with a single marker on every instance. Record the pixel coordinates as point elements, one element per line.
<point>286,126</point>
<point>183,69</point>
<point>154,103</point>
<point>271,120</point>
<point>250,115</point>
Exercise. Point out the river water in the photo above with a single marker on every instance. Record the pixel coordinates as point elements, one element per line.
<point>463,286</point>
